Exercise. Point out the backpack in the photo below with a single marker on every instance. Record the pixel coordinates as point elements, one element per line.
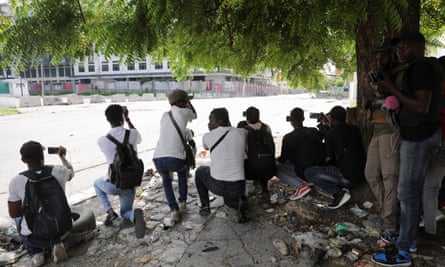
<point>45,208</point>
<point>260,151</point>
<point>127,169</point>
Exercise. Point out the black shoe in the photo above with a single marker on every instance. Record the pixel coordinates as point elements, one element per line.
<point>425,235</point>
<point>139,223</point>
<point>340,198</point>
<point>204,210</point>
<point>242,211</point>
<point>111,216</point>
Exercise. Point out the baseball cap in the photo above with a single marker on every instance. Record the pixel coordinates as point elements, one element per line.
<point>31,149</point>
<point>177,95</point>
<point>409,36</point>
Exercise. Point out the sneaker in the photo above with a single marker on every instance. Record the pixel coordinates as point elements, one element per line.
<point>242,211</point>
<point>139,223</point>
<point>401,258</point>
<point>59,253</point>
<point>439,215</point>
<point>111,216</point>
<point>413,247</point>
<point>204,210</point>
<point>301,191</point>
<point>388,238</point>
<point>37,260</point>
<point>183,206</point>
<point>175,216</point>
<point>427,236</point>
<point>340,198</point>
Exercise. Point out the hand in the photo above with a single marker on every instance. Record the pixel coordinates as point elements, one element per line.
<point>62,151</point>
<point>125,112</point>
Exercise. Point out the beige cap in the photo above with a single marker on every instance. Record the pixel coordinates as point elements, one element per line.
<point>177,95</point>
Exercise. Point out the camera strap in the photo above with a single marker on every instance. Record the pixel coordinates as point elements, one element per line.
<point>219,140</point>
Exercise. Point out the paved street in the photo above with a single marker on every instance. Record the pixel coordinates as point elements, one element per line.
<point>77,127</point>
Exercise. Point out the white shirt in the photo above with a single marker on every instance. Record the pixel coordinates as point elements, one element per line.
<point>109,148</point>
<point>18,183</point>
<point>169,142</point>
<point>227,158</point>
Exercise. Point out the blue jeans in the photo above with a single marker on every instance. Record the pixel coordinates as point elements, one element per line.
<point>433,183</point>
<point>414,161</point>
<point>232,192</point>
<point>328,178</point>
<point>286,173</point>
<point>165,167</point>
<point>126,197</point>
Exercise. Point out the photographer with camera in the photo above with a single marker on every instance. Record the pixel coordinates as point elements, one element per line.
<point>345,159</point>
<point>382,164</point>
<point>32,155</point>
<point>300,149</point>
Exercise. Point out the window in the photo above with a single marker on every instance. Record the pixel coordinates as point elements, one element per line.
<point>81,68</point>
<point>130,66</point>
<point>61,71</point>
<point>105,66</point>
<point>168,65</point>
<point>33,73</point>
<point>91,67</point>
<point>53,72</point>
<point>116,66</point>
<point>142,65</point>
<point>158,66</point>
<point>68,71</point>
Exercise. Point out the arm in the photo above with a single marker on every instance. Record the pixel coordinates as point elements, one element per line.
<point>127,118</point>
<point>15,209</point>
<point>65,162</point>
<point>420,103</point>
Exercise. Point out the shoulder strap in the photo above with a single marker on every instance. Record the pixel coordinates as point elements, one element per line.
<point>219,140</point>
<point>33,177</point>
<point>126,137</point>
<point>177,128</point>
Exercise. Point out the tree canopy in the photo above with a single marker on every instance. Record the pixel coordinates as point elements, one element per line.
<point>294,37</point>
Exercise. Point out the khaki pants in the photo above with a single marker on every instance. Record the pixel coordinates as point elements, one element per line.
<point>382,172</point>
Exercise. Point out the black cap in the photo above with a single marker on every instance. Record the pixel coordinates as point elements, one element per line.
<point>410,37</point>
<point>31,149</point>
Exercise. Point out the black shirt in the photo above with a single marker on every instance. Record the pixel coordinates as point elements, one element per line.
<point>344,148</point>
<point>304,148</point>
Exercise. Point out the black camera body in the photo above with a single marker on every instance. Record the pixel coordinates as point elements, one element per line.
<point>53,150</point>
<point>244,113</point>
<point>375,75</point>
<point>287,118</point>
<point>315,115</point>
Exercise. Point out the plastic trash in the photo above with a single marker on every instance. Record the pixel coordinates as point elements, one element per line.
<point>334,252</point>
<point>358,211</point>
<point>311,239</point>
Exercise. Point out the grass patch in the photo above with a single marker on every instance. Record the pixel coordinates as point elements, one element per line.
<point>7,111</point>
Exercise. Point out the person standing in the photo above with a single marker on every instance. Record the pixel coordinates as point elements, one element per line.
<point>382,161</point>
<point>419,120</point>
<point>116,115</point>
<point>225,176</point>
<point>433,180</point>
<point>169,155</point>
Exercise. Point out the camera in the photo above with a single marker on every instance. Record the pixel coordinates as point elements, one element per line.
<point>375,75</point>
<point>287,118</point>
<point>53,150</point>
<point>244,113</point>
<point>375,104</point>
<point>315,115</point>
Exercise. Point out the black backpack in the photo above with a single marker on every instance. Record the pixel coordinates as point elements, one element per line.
<point>260,152</point>
<point>127,169</point>
<point>45,208</point>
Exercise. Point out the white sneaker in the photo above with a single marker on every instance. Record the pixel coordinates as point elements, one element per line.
<point>59,253</point>
<point>37,260</point>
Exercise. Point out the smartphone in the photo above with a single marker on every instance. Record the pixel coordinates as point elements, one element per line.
<point>53,150</point>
